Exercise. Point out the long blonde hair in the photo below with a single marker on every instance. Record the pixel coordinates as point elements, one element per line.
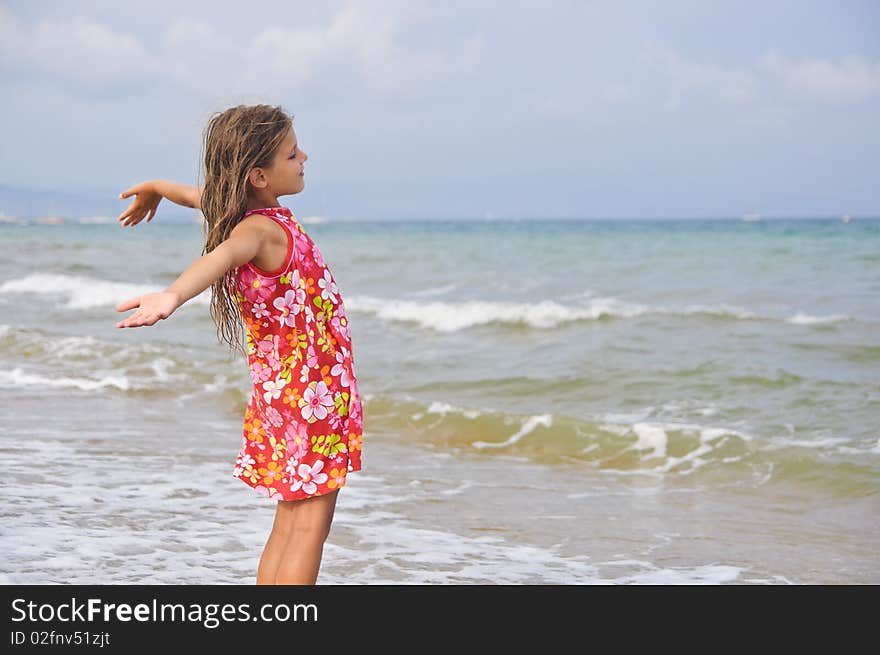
<point>235,141</point>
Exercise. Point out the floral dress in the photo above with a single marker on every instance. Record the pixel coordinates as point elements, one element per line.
<point>303,423</point>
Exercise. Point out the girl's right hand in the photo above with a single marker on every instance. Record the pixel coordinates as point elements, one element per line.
<point>146,201</point>
<point>152,307</point>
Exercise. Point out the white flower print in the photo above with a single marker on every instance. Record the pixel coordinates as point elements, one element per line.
<point>340,369</point>
<point>309,477</point>
<point>289,307</point>
<point>244,461</point>
<point>328,287</point>
<point>272,388</point>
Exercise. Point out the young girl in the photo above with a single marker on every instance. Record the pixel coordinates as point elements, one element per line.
<point>303,423</point>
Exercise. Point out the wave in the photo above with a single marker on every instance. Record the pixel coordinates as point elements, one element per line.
<point>455,316</point>
<point>90,364</point>
<point>84,292</point>
<point>450,316</point>
<point>640,443</point>
<point>81,292</point>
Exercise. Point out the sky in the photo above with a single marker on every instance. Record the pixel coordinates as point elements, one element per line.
<point>461,109</point>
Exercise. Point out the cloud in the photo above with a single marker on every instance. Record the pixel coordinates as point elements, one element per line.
<point>361,44</point>
<point>615,93</point>
<point>735,85</point>
<point>769,76</point>
<point>852,80</point>
<point>78,51</point>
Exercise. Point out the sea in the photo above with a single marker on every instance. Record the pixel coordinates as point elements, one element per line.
<point>546,401</point>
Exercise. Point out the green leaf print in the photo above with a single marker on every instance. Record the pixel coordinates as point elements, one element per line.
<point>341,402</point>
<point>328,445</point>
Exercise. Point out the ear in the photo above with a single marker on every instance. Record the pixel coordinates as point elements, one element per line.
<point>257,178</point>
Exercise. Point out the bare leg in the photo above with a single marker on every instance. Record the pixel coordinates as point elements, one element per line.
<point>310,528</point>
<point>274,549</point>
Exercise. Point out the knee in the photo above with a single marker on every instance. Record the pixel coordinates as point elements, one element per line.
<point>311,532</point>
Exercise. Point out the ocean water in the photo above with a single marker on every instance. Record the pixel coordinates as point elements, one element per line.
<point>609,402</point>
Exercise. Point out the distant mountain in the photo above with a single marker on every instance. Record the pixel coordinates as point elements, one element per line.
<point>30,203</point>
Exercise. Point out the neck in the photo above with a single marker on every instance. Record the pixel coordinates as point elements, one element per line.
<point>259,201</point>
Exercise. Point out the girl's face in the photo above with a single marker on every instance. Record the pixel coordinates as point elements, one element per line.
<point>286,174</point>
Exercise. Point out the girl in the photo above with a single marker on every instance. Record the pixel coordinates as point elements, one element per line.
<point>303,425</point>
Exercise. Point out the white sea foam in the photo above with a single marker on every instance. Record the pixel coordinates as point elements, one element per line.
<point>455,316</point>
<point>653,436</point>
<point>85,292</point>
<point>442,408</point>
<point>448,316</point>
<point>528,426</point>
<point>805,319</point>
<point>784,442</point>
<point>19,378</point>
<point>158,527</point>
<point>650,437</point>
<point>718,310</point>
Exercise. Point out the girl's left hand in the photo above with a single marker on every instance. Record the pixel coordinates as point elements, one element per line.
<point>146,201</point>
<point>152,307</point>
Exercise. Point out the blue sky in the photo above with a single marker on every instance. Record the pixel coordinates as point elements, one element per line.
<point>460,109</point>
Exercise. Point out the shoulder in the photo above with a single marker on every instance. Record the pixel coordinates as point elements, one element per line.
<point>257,224</point>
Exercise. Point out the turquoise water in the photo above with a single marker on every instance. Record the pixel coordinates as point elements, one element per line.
<point>513,373</point>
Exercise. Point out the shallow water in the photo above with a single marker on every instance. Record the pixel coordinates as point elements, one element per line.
<point>588,402</point>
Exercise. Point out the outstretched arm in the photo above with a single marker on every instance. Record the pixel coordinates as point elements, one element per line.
<point>242,245</point>
<point>149,194</point>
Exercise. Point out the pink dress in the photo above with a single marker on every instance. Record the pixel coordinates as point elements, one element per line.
<point>303,423</point>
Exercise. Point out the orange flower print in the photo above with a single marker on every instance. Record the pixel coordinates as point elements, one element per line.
<point>290,396</point>
<point>255,432</point>
<point>271,473</point>
<point>337,478</point>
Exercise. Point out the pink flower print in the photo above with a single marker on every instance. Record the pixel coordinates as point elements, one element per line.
<point>311,357</point>
<point>309,477</point>
<point>296,283</point>
<point>329,287</point>
<point>263,491</point>
<point>336,324</point>
<point>297,436</point>
<point>304,373</point>
<point>341,369</point>
<point>354,408</point>
<point>269,347</point>
<point>256,288</point>
<point>260,372</point>
<point>315,401</point>
<point>289,307</point>
<point>259,310</point>
<point>319,258</point>
<point>274,416</point>
<point>334,421</point>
